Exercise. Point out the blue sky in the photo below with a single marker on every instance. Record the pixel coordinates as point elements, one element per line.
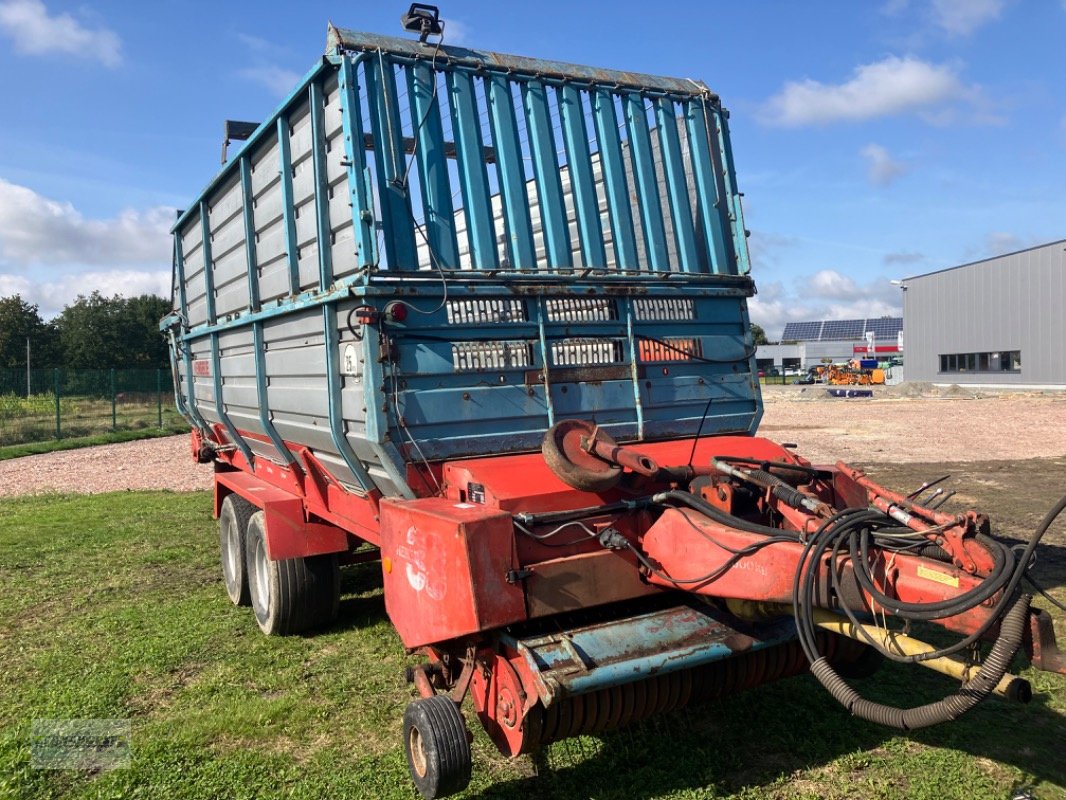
<point>872,140</point>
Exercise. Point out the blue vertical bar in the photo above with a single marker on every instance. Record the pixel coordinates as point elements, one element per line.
<point>710,219</point>
<point>545,360</point>
<point>179,269</point>
<point>249,232</point>
<point>473,177</point>
<point>582,180</point>
<point>262,393</point>
<point>647,184</point>
<point>397,222</point>
<point>220,406</point>
<point>205,250</point>
<point>355,153</point>
<point>511,172</point>
<point>619,211</point>
<point>676,185</point>
<point>333,394</point>
<point>438,216</point>
<point>553,226</point>
<point>736,216</point>
<point>323,228</point>
<point>287,209</point>
<point>254,301</point>
<point>634,368</point>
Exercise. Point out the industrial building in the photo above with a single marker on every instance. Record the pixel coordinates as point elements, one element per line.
<point>806,344</point>
<point>996,322</point>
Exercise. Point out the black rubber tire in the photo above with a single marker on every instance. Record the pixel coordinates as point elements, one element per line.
<point>293,595</point>
<point>437,746</point>
<point>232,525</point>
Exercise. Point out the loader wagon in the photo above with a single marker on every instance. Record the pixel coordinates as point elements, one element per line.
<point>482,319</point>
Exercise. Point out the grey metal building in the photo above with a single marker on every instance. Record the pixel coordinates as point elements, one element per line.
<point>997,322</point>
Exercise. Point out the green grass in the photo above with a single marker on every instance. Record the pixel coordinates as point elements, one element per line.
<point>53,445</point>
<point>112,606</point>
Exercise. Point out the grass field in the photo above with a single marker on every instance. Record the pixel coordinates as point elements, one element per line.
<point>111,606</point>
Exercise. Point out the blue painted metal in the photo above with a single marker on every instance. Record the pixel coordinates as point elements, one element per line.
<point>437,213</point>
<point>481,61</point>
<point>511,173</point>
<point>258,135</point>
<point>634,369</point>
<point>251,261</point>
<point>676,186</point>
<point>220,403</point>
<point>582,180</point>
<point>187,410</point>
<point>390,164</point>
<point>318,154</point>
<point>740,233</point>
<point>646,182</point>
<point>473,177</point>
<point>263,395</point>
<point>709,201</point>
<point>209,267</point>
<point>552,212</point>
<point>619,210</point>
<point>355,155</point>
<point>288,206</point>
<point>306,300</point>
<point>587,659</point>
<point>333,391</point>
<point>522,320</point>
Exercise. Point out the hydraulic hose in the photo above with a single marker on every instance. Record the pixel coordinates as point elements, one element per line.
<point>698,504</point>
<point>952,707</point>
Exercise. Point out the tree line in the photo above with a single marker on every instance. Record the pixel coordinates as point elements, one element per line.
<point>93,332</point>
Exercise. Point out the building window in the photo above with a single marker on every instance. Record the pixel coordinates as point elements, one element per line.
<point>995,361</point>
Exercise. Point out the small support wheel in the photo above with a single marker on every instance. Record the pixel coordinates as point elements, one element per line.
<point>293,595</point>
<point>232,525</point>
<point>574,466</point>
<point>437,746</point>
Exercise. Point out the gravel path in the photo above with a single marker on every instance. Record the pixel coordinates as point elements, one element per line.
<point>164,463</point>
<point>885,429</point>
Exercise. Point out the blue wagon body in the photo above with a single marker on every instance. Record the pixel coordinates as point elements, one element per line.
<point>539,241</point>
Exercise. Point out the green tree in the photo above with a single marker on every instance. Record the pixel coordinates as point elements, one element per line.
<point>20,321</point>
<point>98,332</point>
<point>758,335</point>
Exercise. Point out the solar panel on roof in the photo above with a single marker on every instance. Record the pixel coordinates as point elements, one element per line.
<point>842,329</point>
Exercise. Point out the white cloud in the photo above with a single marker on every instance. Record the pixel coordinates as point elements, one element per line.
<point>826,294</point>
<point>891,86</point>
<point>456,32</point>
<point>881,169</point>
<point>35,32</point>
<point>266,58</point>
<point>963,17</point>
<point>52,295</point>
<point>39,231</point>
<point>278,80</point>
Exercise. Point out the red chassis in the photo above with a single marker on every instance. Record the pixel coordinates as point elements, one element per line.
<point>511,540</point>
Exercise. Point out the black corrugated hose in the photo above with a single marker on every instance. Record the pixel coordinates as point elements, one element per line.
<point>855,524</point>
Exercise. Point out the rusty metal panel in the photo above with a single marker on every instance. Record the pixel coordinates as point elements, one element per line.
<point>446,566</point>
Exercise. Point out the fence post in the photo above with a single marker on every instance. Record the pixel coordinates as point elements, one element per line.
<point>159,394</point>
<point>59,424</point>
<point>114,421</point>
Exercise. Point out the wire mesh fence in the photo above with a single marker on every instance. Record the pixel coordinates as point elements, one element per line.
<point>44,404</point>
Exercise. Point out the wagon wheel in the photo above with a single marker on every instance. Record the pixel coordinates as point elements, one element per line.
<point>437,746</point>
<point>570,462</point>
